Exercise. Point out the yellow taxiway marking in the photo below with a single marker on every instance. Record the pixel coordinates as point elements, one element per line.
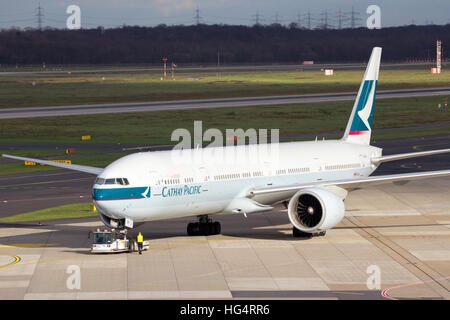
<point>28,245</point>
<point>434,212</point>
<point>16,259</point>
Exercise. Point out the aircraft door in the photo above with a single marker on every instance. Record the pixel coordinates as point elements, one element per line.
<point>203,174</point>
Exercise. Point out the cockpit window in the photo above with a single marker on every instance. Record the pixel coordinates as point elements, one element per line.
<point>99,181</point>
<point>121,181</point>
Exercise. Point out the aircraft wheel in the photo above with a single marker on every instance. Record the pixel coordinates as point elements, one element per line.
<point>203,229</point>
<point>217,228</point>
<point>190,229</point>
<point>300,234</point>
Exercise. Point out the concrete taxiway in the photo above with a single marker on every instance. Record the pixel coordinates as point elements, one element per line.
<point>33,112</point>
<point>397,233</point>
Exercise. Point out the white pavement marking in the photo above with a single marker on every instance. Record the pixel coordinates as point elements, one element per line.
<point>14,284</point>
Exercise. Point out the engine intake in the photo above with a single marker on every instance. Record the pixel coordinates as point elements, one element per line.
<point>315,209</point>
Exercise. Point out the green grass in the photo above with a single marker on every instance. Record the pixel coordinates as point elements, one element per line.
<point>157,127</point>
<point>109,88</point>
<point>79,210</point>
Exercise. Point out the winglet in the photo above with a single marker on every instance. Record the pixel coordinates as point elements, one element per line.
<point>359,127</point>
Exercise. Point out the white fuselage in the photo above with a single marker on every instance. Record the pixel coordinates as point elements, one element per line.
<point>170,184</point>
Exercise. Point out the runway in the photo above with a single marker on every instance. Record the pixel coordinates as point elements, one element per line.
<point>204,69</point>
<point>33,112</point>
<point>403,231</point>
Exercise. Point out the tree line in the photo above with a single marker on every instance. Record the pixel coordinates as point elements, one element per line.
<point>202,44</point>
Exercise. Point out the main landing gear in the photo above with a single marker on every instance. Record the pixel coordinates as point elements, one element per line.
<point>300,234</point>
<point>204,227</point>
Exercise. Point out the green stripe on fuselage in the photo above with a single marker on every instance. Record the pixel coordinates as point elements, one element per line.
<point>118,193</point>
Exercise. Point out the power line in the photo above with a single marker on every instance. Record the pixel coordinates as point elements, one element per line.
<point>39,16</point>
<point>197,16</point>
<point>257,18</point>
<point>324,20</point>
<point>308,20</point>
<point>341,18</point>
<point>354,18</point>
<point>276,18</point>
<point>299,20</point>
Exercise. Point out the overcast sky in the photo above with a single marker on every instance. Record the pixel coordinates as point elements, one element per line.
<point>111,13</point>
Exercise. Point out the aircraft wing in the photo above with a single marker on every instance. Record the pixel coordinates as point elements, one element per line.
<point>87,169</point>
<point>289,190</point>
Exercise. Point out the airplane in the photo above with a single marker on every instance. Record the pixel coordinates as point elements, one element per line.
<point>311,179</point>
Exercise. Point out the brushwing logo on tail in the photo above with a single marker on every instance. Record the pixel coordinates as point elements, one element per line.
<point>364,123</point>
<point>364,114</point>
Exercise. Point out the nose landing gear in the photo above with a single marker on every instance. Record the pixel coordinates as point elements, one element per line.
<point>204,227</point>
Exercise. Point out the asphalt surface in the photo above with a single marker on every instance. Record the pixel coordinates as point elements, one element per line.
<point>26,192</point>
<point>402,230</point>
<point>399,232</point>
<point>33,112</point>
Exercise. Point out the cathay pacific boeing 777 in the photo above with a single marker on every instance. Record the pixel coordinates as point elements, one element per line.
<point>310,178</point>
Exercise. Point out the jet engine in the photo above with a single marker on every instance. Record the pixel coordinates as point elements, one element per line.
<point>315,209</point>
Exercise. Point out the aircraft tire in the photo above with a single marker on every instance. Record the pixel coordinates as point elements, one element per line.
<point>191,229</point>
<point>300,234</point>
<point>217,227</point>
<point>203,229</point>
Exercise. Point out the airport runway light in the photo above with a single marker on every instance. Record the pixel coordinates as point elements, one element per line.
<point>173,69</point>
<point>438,55</point>
<point>165,67</point>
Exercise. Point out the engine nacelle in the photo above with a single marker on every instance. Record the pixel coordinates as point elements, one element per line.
<point>315,209</point>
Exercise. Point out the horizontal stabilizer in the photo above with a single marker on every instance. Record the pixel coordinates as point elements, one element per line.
<point>377,161</point>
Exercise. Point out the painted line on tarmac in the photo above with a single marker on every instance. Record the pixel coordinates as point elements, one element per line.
<point>36,176</point>
<point>44,182</point>
<point>385,294</point>
<point>16,260</point>
<point>52,198</point>
<point>29,245</point>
